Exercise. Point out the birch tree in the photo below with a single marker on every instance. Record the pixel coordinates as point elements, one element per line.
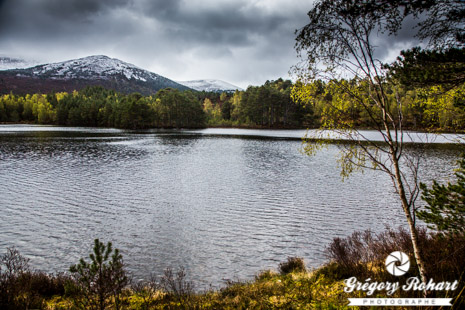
<point>337,46</point>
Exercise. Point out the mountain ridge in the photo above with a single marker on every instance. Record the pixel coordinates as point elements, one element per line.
<point>101,70</point>
<point>76,74</point>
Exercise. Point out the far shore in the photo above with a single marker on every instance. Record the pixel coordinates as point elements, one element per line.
<point>256,127</point>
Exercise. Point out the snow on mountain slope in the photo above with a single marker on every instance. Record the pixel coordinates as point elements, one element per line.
<point>100,67</point>
<point>92,67</point>
<point>210,85</point>
<point>7,63</point>
<point>80,73</point>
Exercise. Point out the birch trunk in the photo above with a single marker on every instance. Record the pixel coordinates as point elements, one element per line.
<point>411,224</point>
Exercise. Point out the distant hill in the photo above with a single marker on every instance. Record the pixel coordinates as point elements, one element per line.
<point>210,85</point>
<point>79,73</point>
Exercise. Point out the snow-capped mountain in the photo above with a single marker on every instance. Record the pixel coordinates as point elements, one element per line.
<point>210,85</point>
<point>7,63</point>
<point>91,67</point>
<point>88,71</point>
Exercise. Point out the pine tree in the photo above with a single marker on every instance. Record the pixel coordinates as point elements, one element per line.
<point>101,279</point>
<point>445,209</point>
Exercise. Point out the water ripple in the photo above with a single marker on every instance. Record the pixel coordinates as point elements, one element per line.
<point>221,206</point>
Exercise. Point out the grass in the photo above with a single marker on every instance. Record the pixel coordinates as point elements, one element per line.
<point>269,290</point>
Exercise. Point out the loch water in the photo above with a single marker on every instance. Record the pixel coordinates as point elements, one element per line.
<point>222,203</point>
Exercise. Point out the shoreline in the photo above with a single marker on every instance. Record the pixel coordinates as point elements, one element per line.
<point>416,130</point>
<point>289,286</point>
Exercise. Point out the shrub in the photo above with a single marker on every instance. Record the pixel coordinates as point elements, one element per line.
<point>21,288</point>
<point>293,264</point>
<point>145,292</point>
<point>363,255</point>
<point>48,285</point>
<point>334,271</point>
<point>177,287</point>
<point>13,279</point>
<point>265,275</point>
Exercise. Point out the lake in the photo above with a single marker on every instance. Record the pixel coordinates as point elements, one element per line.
<point>223,203</point>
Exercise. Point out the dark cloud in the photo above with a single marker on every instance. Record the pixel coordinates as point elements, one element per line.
<point>71,10</point>
<point>49,17</point>
<point>240,41</point>
<point>388,46</point>
<point>227,24</point>
<point>160,8</point>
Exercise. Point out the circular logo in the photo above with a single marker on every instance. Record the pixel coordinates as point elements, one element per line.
<point>397,263</point>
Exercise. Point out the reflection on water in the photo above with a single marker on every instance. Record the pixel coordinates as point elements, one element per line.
<point>220,205</point>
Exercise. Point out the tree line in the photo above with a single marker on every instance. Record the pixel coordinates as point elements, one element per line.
<point>276,104</point>
<point>269,105</point>
<point>99,107</point>
<point>346,103</point>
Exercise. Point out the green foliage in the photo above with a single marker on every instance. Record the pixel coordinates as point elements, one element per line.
<point>96,106</point>
<point>213,114</point>
<point>178,109</point>
<point>338,37</point>
<point>424,68</point>
<point>300,290</point>
<point>270,105</point>
<point>97,283</point>
<point>277,104</point>
<point>445,204</point>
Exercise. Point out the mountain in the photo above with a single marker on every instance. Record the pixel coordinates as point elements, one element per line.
<point>210,85</point>
<point>15,63</point>
<point>79,73</point>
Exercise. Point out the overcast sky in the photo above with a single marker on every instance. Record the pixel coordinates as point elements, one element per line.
<point>243,42</point>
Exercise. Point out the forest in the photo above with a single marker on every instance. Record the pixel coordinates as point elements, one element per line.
<point>275,104</point>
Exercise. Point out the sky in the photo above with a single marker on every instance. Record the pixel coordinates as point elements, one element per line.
<point>243,42</point>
